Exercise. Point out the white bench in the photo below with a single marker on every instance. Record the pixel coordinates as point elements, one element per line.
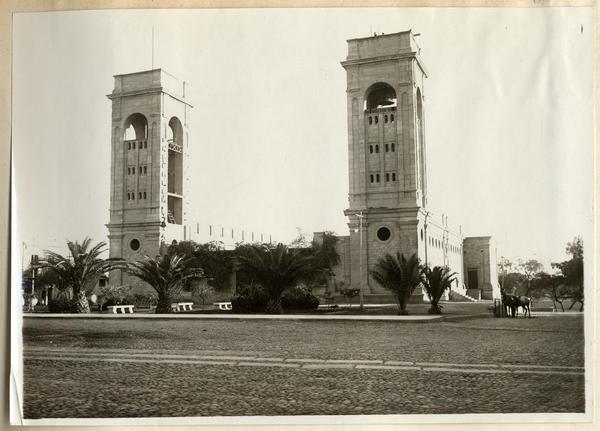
<point>182,306</point>
<point>223,305</point>
<point>120,309</point>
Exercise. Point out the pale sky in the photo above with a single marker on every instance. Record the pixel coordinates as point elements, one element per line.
<point>508,117</point>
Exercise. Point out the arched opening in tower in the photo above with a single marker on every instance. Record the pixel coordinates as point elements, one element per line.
<point>380,95</point>
<point>174,135</point>
<point>136,128</point>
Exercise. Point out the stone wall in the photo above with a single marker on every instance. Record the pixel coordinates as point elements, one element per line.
<point>480,262</point>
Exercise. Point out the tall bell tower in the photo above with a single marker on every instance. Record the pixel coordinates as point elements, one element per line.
<point>386,150</point>
<point>149,160</point>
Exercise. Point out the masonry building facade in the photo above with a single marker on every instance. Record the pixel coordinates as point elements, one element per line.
<point>388,210</point>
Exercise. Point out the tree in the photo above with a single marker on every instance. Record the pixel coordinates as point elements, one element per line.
<point>166,274</point>
<point>275,269</point>
<point>529,268</point>
<point>572,272</point>
<point>399,275</point>
<point>43,279</point>
<point>212,258</point>
<point>436,281</point>
<point>326,257</point>
<point>504,267</point>
<point>80,271</point>
<point>301,241</point>
<point>514,282</point>
<point>549,286</point>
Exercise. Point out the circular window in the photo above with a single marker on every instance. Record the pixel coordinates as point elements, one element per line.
<point>383,233</point>
<point>134,244</point>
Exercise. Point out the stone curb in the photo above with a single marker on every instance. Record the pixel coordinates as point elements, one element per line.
<point>404,319</point>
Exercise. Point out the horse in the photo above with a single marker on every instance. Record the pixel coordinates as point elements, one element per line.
<point>525,303</point>
<point>510,303</point>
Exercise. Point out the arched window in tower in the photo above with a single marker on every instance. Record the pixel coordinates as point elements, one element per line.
<point>136,128</point>
<point>175,170</point>
<point>380,95</point>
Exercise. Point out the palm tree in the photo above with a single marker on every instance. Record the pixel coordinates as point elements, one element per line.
<point>166,274</point>
<point>437,280</point>
<point>399,275</point>
<point>275,269</point>
<point>79,271</point>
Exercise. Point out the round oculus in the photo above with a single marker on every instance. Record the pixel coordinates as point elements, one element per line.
<point>134,244</point>
<point>383,233</point>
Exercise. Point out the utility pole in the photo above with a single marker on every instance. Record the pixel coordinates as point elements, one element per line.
<point>360,265</point>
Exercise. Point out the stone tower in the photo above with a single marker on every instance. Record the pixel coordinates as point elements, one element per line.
<point>386,151</point>
<point>149,159</point>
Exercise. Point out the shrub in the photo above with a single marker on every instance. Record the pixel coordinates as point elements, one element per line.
<point>60,304</point>
<point>201,292</point>
<point>299,298</point>
<point>141,300</point>
<point>112,295</point>
<point>250,299</point>
<point>349,293</point>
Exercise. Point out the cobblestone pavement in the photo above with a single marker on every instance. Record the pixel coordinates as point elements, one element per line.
<point>213,368</point>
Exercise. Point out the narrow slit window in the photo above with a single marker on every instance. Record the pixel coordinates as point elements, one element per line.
<point>133,145</point>
<point>133,171</point>
<point>144,195</point>
<point>387,177</point>
<point>387,148</point>
<point>377,148</point>
<point>145,144</point>
<point>371,177</point>
<point>393,176</point>
<point>376,119</point>
<point>371,149</point>
<point>392,118</point>
<point>140,195</point>
<point>370,120</point>
<point>129,145</point>
<point>393,147</point>
<point>377,177</point>
<point>145,169</point>
<point>385,118</point>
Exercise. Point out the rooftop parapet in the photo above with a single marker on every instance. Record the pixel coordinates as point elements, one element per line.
<point>382,45</point>
<point>150,80</point>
